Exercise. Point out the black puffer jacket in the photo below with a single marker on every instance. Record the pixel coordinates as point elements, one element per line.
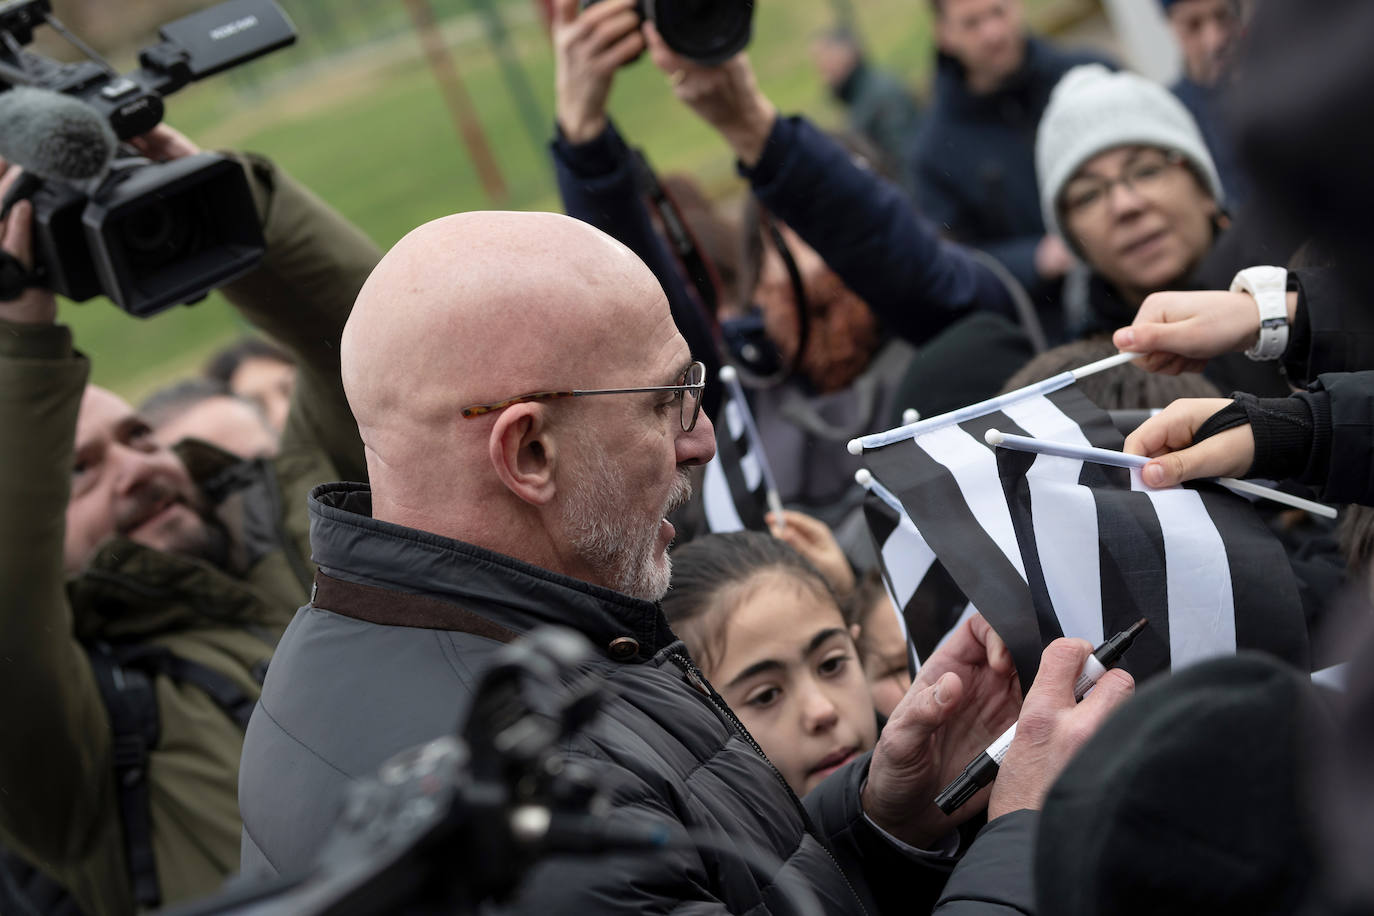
<point>344,694</point>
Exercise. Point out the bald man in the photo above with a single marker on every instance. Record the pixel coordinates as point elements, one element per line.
<point>498,502</point>
<point>143,587</point>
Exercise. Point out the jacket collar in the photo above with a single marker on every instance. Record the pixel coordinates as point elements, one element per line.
<point>349,544</point>
<point>848,90</point>
<point>129,591</point>
<point>1016,91</point>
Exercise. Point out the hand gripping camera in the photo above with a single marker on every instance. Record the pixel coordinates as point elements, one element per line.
<point>709,32</point>
<point>148,235</point>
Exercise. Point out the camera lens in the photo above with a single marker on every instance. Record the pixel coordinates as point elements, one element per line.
<point>160,232</point>
<point>707,31</point>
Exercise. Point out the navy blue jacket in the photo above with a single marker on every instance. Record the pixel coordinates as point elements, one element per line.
<point>975,160</point>
<point>864,228</point>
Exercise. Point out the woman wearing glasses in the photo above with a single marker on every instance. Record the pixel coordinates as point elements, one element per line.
<point>1126,179</point>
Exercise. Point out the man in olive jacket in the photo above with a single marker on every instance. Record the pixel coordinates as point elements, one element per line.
<point>182,564</point>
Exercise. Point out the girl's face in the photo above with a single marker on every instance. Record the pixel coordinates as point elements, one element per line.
<point>791,673</point>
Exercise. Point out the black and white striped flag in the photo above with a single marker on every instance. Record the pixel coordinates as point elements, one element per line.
<point>737,490</point>
<point>928,603</point>
<point>1046,546</point>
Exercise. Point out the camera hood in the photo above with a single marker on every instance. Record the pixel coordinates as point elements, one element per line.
<point>168,233</point>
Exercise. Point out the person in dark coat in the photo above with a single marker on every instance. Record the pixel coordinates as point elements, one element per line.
<point>1127,180</point>
<point>880,108</point>
<point>975,159</point>
<point>875,276</point>
<point>1208,32</point>
<point>1321,437</point>
<point>491,511</point>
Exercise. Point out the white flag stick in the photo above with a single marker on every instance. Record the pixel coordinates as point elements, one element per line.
<point>730,377</point>
<point>1054,383</point>
<point>1102,365</point>
<point>1106,456</point>
<point>864,478</point>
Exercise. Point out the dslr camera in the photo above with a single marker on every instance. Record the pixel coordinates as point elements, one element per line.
<point>147,235</point>
<point>708,32</point>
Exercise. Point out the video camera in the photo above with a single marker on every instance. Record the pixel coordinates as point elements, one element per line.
<point>148,235</point>
<point>709,32</point>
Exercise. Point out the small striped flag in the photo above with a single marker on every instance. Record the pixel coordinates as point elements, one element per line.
<point>737,490</point>
<point>1046,546</point>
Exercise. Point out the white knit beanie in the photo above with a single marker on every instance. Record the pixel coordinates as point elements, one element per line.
<point>1093,110</point>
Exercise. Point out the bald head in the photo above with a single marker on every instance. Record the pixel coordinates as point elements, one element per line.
<point>477,308</point>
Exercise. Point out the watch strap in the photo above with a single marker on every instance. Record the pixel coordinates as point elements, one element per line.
<point>1268,286</point>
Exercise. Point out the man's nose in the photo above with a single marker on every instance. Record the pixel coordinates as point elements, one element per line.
<point>699,445</point>
<point>134,468</point>
<point>1214,37</point>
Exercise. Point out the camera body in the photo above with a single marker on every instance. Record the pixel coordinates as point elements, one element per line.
<point>147,235</point>
<point>708,32</point>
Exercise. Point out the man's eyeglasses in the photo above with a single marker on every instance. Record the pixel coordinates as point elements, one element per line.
<point>1087,197</point>
<point>687,394</point>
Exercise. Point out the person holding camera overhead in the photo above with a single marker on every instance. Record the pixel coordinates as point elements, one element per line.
<point>145,586</point>
<point>872,278</point>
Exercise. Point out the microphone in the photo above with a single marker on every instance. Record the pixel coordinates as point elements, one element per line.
<point>53,135</point>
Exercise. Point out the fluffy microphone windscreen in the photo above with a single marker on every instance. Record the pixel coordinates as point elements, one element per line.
<point>54,135</point>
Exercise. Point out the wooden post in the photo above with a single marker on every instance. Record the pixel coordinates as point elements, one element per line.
<point>457,99</point>
<point>517,81</point>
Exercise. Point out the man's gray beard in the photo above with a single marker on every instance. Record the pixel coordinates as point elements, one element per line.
<point>624,560</point>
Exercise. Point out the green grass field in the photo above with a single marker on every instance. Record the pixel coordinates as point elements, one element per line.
<point>369,132</point>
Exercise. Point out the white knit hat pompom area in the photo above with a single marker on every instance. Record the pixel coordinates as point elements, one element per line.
<point>1093,110</point>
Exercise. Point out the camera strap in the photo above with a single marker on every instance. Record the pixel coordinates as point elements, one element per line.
<point>698,267</point>
<point>15,277</point>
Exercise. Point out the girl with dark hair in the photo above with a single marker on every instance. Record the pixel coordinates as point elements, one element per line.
<point>766,628</point>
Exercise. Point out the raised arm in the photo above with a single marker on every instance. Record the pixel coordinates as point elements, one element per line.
<point>594,167</point>
<point>300,295</point>
<point>56,788</point>
<point>864,227</point>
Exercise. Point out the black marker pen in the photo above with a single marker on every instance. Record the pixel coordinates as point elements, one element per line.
<point>983,769</point>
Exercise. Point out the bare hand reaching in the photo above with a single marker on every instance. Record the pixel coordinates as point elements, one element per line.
<point>727,97</point>
<point>589,46</point>
<point>1168,437</point>
<point>1180,331</point>
<point>1053,725</point>
<point>964,696</point>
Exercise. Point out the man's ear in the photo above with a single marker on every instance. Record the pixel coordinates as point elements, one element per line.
<point>523,453</point>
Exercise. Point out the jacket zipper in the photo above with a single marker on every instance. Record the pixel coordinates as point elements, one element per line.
<point>721,706</point>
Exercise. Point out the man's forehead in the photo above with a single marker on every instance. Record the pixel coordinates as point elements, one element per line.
<point>959,9</point>
<point>101,409</point>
